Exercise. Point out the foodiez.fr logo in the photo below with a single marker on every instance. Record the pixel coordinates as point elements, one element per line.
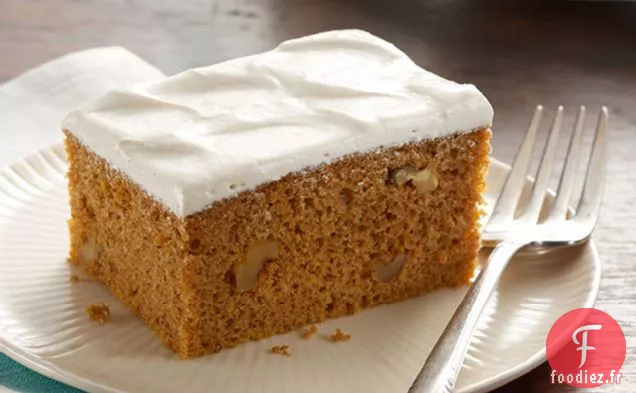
<point>586,348</point>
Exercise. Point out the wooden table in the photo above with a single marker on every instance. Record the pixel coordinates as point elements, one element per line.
<point>550,52</point>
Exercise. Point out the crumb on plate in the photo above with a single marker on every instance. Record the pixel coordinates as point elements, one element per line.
<point>98,312</point>
<point>74,278</point>
<point>339,335</point>
<point>281,350</point>
<point>309,332</point>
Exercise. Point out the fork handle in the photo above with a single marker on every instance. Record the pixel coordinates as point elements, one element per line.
<point>442,366</point>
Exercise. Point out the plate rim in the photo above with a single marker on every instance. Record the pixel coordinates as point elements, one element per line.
<point>53,371</point>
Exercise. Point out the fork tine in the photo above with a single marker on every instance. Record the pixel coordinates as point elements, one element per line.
<point>564,192</point>
<point>507,202</point>
<point>592,193</point>
<point>533,209</point>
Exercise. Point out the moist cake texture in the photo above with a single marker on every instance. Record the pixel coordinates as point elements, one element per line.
<point>254,197</point>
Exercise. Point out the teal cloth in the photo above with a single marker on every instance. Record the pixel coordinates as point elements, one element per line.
<point>22,380</point>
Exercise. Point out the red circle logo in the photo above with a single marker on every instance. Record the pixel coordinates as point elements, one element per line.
<point>586,348</point>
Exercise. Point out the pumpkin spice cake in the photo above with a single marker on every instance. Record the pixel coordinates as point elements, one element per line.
<point>259,195</point>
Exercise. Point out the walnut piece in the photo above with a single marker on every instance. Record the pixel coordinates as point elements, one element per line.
<point>387,272</point>
<point>404,175</point>
<point>424,180</point>
<point>246,272</point>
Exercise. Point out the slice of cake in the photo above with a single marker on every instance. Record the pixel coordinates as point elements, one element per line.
<point>253,197</point>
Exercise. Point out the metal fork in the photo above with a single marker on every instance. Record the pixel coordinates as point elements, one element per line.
<point>525,231</point>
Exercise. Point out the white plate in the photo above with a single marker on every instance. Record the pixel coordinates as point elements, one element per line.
<point>43,323</point>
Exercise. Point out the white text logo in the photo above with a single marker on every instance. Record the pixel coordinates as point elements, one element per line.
<point>583,344</point>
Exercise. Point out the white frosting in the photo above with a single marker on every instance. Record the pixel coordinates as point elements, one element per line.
<point>209,133</point>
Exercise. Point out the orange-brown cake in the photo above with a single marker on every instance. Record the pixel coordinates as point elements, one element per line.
<point>256,196</point>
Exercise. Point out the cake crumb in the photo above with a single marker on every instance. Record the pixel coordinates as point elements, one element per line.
<point>339,335</point>
<point>98,312</point>
<point>74,278</point>
<point>281,350</point>
<point>309,332</point>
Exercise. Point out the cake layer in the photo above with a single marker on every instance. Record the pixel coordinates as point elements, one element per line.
<point>369,229</point>
<point>211,133</point>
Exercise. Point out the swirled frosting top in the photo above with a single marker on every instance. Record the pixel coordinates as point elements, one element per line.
<point>209,133</point>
